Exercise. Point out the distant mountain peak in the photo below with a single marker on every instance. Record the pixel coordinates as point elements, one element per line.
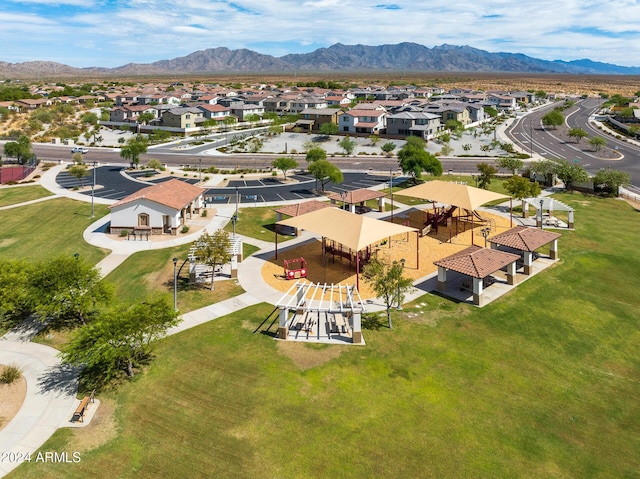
<point>405,56</point>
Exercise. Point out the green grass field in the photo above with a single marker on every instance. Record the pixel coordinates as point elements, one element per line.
<point>257,223</point>
<point>151,272</point>
<point>540,383</point>
<point>20,194</point>
<point>48,229</point>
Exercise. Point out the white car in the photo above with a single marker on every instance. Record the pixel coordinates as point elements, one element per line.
<point>79,149</point>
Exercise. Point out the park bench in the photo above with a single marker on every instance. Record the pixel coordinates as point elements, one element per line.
<point>78,415</point>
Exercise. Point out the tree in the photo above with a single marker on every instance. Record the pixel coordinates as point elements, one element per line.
<point>387,282</point>
<point>79,172</point>
<point>325,171</point>
<point>67,291</point>
<point>578,134</point>
<point>374,139</point>
<point>21,149</point>
<point>14,290</point>
<point>510,163</point>
<point>570,173</point>
<point>554,118</point>
<point>90,118</point>
<point>155,164</point>
<point>597,142</point>
<point>132,150</point>
<point>611,180</point>
<point>253,118</point>
<point>415,160</point>
<point>284,164</point>
<point>120,340</point>
<point>146,118</point>
<point>347,145</point>
<point>520,187</point>
<point>388,147</point>
<point>491,111</point>
<point>328,129</point>
<point>486,172</point>
<point>213,250</point>
<point>316,153</point>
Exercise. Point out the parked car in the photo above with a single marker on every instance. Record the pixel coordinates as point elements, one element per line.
<point>79,149</point>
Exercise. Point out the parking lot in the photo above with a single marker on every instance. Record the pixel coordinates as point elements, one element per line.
<point>115,183</point>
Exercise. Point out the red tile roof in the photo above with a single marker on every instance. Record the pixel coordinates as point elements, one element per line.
<point>302,208</point>
<point>477,262</point>
<point>524,238</point>
<point>357,196</point>
<point>173,193</point>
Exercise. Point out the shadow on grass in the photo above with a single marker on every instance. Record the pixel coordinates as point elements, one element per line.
<point>373,323</point>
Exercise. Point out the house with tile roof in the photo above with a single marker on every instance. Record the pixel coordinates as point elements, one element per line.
<point>363,121</point>
<point>163,208</point>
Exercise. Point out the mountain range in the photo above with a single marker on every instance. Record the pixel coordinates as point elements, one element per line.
<point>336,58</point>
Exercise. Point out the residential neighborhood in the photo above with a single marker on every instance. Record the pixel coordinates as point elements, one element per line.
<point>186,110</point>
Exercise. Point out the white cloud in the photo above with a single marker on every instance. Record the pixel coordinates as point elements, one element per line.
<point>145,30</point>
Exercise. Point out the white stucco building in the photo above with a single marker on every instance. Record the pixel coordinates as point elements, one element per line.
<point>157,209</point>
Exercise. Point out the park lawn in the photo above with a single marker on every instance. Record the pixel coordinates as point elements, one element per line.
<point>540,383</point>
<point>48,229</point>
<point>257,223</point>
<point>20,194</point>
<point>151,272</point>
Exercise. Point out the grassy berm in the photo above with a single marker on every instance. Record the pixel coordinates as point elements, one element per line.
<point>543,383</point>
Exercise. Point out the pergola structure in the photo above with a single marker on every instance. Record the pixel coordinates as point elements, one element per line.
<point>526,240</point>
<point>454,194</point>
<point>321,312</point>
<point>546,203</point>
<point>355,232</point>
<point>479,264</point>
<point>358,197</point>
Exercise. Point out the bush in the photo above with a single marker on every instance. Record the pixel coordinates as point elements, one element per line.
<point>10,374</point>
<point>185,229</point>
<point>204,213</point>
<point>123,233</point>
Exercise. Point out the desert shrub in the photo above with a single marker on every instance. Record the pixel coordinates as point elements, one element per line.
<point>10,374</point>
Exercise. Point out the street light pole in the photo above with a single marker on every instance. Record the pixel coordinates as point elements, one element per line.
<point>485,233</point>
<point>175,284</point>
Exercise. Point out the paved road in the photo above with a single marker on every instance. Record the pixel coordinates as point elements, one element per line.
<point>116,184</point>
<point>530,134</point>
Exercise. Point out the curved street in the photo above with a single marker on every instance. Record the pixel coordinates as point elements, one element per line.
<point>528,132</point>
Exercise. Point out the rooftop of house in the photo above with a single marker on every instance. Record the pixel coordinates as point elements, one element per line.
<point>173,193</point>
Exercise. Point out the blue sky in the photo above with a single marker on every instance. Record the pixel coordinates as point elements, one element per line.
<point>111,33</point>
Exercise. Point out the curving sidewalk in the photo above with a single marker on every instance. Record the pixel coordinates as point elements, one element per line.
<point>49,402</point>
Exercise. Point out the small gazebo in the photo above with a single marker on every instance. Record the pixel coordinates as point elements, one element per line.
<point>358,197</point>
<point>479,264</point>
<point>298,209</point>
<point>527,241</point>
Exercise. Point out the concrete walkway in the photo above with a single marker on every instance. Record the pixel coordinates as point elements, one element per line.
<point>49,402</point>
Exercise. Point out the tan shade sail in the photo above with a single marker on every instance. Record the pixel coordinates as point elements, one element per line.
<point>351,230</point>
<point>462,196</point>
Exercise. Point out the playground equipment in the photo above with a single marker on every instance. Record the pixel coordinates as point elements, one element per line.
<point>295,268</point>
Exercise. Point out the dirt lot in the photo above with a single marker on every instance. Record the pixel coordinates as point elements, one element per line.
<point>12,398</point>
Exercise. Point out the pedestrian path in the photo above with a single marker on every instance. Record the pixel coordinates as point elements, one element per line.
<point>48,405</point>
